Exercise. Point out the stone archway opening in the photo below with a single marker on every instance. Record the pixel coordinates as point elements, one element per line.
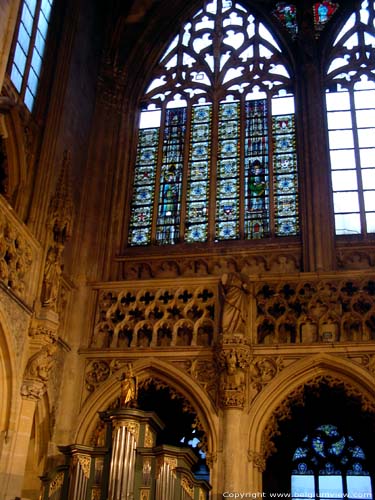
<point>320,402</point>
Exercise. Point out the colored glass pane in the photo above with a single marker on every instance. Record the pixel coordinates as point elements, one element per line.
<point>198,175</point>
<point>228,173</point>
<point>285,167</point>
<point>144,187</point>
<point>169,207</point>
<point>323,11</point>
<point>257,170</point>
<point>287,14</point>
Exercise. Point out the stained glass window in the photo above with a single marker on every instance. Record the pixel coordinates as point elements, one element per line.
<point>323,11</point>
<point>30,43</point>
<point>216,157</point>
<point>286,13</point>
<point>329,464</point>
<point>350,100</point>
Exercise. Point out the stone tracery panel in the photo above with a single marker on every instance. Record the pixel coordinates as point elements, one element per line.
<point>315,311</point>
<point>149,317</point>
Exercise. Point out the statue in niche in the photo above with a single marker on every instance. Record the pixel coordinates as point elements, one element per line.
<point>143,339</point>
<point>309,332</point>
<point>329,331</point>
<point>235,302</point>
<point>164,339</point>
<point>52,275</point>
<point>123,340</point>
<point>129,389</point>
<point>204,337</point>
<point>184,336</point>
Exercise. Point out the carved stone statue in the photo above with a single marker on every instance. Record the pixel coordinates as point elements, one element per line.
<point>232,384</point>
<point>129,389</point>
<point>52,274</point>
<point>236,303</point>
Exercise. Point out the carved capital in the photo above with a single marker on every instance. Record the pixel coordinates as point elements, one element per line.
<point>211,459</point>
<point>258,458</point>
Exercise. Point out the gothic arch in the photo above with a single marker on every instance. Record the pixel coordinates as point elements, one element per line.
<point>164,372</point>
<point>275,401</point>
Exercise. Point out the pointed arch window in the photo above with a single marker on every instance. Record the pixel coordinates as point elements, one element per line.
<point>216,157</point>
<point>329,464</point>
<point>26,63</point>
<point>350,100</point>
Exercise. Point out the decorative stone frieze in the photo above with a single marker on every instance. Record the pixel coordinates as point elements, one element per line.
<point>216,264</point>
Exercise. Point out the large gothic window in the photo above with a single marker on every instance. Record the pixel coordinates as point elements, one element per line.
<point>26,63</point>
<point>216,157</point>
<point>329,464</point>
<point>350,102</point>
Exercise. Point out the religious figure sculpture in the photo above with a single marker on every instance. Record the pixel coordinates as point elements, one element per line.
<point>129,389</point>
<point>236,304</point>
<point>52,274</point>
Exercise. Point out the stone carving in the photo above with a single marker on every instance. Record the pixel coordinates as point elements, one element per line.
<point>258,459</point>
<point>61,208</point>
<point>37,372</point>
<point>97,372</point>
<point>369,364</point>
<point>153,317</point>
<point>232,383</point>
<point>205,372</point>
<point>316,311</point>
<point>18,320</point>
<point>15,257</point>
<point>235,303</point>
<point>52,276</point>
<point>262,371</point>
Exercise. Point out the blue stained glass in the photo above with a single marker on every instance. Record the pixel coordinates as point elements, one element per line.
<point>300,453</point>
<point>198,175</point>
<point>200,151</point>
<point>228,148</point>
<point>337,447</point>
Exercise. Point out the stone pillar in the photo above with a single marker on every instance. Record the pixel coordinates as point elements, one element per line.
<point>16,470</point>
<point>234,360</point>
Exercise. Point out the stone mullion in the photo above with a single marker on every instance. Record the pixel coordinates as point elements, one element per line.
<point>317,227</point>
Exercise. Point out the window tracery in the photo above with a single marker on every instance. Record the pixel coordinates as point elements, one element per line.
<point>216,157</point>
<point>330,464</point>
<point>350,101</point>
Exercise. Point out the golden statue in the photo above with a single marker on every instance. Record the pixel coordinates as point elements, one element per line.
<point>129,389</point>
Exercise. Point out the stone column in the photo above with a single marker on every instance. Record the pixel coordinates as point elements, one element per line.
<point>16,470</point>
<point>234,360</point>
